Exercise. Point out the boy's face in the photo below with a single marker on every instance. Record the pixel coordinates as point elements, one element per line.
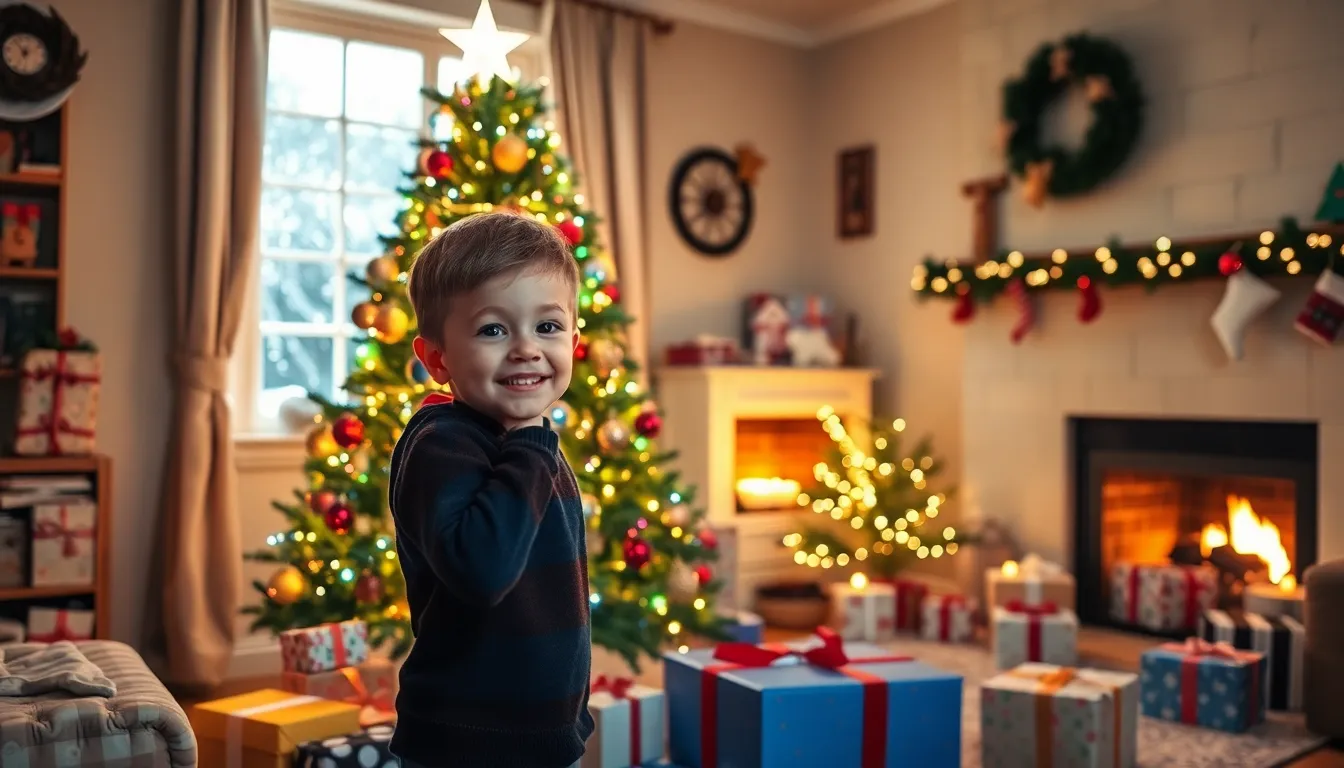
<point>508,346</point>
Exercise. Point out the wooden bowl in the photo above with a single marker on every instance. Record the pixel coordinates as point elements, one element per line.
<point>793,605</point>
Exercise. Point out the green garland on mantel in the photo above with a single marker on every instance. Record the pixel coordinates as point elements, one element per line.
<point>1289,250</point>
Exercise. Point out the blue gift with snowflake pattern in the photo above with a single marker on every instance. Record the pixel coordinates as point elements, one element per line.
<point>1211,691</point>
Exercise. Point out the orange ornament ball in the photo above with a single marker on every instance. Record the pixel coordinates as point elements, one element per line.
<point>364,315</point>
<point>392,323</point>
<point>509,154</point>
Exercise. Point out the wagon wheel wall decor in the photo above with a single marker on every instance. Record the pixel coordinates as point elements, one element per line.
<point>710,201</point>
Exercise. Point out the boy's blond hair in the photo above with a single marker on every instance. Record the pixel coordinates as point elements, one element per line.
<point>477,249</point>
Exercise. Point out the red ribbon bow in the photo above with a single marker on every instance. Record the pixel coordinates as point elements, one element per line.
<point>375,704</point>
<point>829,655</point>
<point>618,687</point>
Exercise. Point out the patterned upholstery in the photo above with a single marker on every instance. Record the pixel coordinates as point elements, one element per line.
<point>141,727</point>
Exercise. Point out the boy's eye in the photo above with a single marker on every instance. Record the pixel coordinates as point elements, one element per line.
<point>550,326</point>
<point>493,329</point>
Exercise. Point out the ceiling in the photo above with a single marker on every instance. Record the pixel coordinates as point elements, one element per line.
<point>804,23</point>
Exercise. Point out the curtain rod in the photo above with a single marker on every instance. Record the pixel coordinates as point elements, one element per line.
<point>659,24</point>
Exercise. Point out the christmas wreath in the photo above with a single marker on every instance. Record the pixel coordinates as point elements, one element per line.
<point>1103,71</point>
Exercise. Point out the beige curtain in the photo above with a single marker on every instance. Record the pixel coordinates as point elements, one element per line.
<point>597,57</point>
<point>221,100</point>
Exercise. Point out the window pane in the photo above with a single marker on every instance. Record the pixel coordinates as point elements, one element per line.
<point>378,159</point>
<point>383,84</point>
<point>299,219</point>
<point>302,150</point>
<point>304,73</point>
<point>368,216</point>
<point>355,293</point>
<point>451,72</point>
<point>297,361</point>
<point>297,291</point>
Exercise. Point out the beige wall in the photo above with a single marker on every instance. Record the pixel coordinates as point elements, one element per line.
<point>118,210</point>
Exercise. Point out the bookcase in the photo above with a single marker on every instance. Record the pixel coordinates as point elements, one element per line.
<point>34,173</point>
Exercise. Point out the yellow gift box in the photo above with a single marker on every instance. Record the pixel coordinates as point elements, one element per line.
<point>263,728</point>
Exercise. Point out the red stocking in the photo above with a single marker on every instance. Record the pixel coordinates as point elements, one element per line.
<point>1027,312</point>
<point>1090,304</point>
<point>965,309</point>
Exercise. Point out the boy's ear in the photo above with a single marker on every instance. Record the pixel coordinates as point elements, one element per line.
<point>575,345</point>
<point>431,356</point>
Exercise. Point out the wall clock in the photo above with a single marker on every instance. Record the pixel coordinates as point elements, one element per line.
<point>710,198</point>
<point>40,61</point>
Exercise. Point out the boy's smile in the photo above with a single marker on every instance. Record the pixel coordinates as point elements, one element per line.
<point>507,347</point>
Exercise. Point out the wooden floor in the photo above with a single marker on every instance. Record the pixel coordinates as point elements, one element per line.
<point>1118,648</point>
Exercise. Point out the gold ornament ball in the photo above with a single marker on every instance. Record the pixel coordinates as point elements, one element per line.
<point>364,315</point>
<point>286,585</point>
<point>606,355</point>
<point>682,583</point>
<point>321,443</point>
<point>613,435</point>
<point>509,154</point>
<point>392,323</point>
<point>383,269</point>
<point>679,516</point>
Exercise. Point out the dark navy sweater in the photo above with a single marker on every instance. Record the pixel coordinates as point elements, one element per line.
<point>490,534</point>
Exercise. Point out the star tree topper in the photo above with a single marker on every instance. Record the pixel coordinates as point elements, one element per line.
<point>484,47</point>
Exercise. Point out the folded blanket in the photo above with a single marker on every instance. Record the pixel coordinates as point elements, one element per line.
<point>32,670</point>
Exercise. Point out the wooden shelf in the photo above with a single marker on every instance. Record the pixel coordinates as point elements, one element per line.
<point>30,273</point>
<point>62,590</point>
<point>17,465</point>
<point>33,179</point>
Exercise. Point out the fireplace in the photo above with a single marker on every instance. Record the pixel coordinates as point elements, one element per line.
<point>1239,496</point>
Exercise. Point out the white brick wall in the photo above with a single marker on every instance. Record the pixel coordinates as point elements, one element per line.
<point>1245,122</point>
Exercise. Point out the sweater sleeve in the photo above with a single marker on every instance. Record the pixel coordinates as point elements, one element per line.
<point>476,514</point>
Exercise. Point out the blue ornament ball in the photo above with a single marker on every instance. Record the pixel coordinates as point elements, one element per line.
<point>416,371</point>
<point>561,414</point>
<point>593,269</point>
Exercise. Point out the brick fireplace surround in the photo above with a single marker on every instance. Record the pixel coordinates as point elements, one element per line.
<point>1146,356</point>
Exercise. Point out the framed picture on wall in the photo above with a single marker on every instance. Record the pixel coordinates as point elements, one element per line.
<point>855,217</point>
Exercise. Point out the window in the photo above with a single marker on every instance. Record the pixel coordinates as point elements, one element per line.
<point>344,115</point>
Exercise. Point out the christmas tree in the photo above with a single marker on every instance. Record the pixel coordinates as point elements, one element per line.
<point>649,556</point>
<point>881,508</point>
<point>1332,204</point>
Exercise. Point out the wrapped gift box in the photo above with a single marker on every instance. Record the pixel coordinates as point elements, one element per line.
<point>1046,715</point>
<point>865,612</point>
<point>910,596</point>
<point>325,647</point>
<point>746,627</point>
<point>1282,640</point>
<point>50,625</point>
<point>372,686</point>
<point>358,750</point>
<point>630,724</point>
<point>266,727</point>
<point>1041,633</point>
<point>1205,684</point>
<point>1163,598</point>
<point>58,402</point>
<point>63,543</point>
<point>14,549</point>
<point>810,704</point>
<point>948,618</point>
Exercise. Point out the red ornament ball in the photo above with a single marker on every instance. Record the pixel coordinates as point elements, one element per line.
<point>321,501</point>
<point>703,574</point>
<point>572,232</point>
<point>649,424</point>
<point>439,163</point>
<point>348,430</point>
<point>613,293</point>
<point>581,351</point>
<point>339,518</point>
<point>1229,264</point>
<point>708,540</point>
<point>637,552</point>
<point>369,588</point>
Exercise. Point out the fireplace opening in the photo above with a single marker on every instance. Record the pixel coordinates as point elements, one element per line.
<point>1237,497</point>
<point>773,461</point>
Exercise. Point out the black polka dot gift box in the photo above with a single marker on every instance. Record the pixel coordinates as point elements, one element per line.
<point>366,749</point>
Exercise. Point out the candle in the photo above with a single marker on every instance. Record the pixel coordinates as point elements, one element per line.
<point>1010,568</point>
<point>1288,583</point>
<point>768,492</point>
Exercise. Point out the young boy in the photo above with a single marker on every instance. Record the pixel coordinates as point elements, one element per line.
<point>489,525</point>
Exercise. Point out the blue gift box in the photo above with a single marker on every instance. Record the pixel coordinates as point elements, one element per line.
<point>800,715</point>
<point>746,627</point>
<point>1218,691</point>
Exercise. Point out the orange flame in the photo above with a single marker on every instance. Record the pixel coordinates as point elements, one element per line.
<point>1250,535</point>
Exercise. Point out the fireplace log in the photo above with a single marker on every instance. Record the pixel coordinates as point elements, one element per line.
<point>1228,560</point>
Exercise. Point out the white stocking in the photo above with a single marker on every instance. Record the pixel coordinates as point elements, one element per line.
<point>1243,301</point>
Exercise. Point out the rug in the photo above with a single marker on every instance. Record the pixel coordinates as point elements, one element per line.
<point>1162,744</point>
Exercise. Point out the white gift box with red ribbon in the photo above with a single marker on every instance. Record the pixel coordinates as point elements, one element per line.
<point>52,625</point>
<point>58,402</point>
<point>63,537</point>
<point>866,612</point>
<point>631,724</point>
<point>948,618</point>
<point>325,647</point>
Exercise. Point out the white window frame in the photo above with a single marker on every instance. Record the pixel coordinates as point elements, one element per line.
<point>246,369</point>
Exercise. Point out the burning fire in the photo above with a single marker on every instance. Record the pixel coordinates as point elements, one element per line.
<point>1250,536</point>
